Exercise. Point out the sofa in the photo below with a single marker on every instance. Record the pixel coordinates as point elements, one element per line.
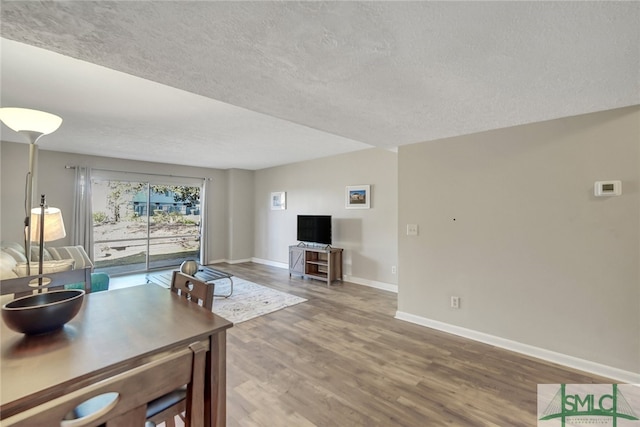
<point>13,263</point>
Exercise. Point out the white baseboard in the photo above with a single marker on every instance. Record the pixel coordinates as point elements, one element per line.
<point>232,261</point>
<point>372,283</point>
<point>238,261</point>
<point>529,350</point>
<point>270,263</point>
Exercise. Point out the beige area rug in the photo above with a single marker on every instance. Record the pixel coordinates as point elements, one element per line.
<point>249,300</point>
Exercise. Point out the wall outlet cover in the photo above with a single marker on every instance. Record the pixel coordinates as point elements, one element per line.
<point>455,302</point>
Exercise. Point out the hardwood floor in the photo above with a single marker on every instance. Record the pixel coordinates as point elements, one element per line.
<point>341,359</point>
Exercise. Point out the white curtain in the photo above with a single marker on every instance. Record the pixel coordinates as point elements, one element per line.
<point>82,220</point>
<point>204,253</point>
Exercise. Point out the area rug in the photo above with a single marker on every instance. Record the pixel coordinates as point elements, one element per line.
<point>249,300</point>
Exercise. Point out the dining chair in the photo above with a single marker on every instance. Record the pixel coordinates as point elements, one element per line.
<point>126,395</point>
<point>193,289</point>
<point>167,407</point>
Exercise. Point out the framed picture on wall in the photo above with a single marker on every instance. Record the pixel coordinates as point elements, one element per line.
<point>358,197</point>
<point>278,200</point>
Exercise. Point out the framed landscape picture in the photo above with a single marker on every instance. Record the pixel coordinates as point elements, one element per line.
<point>278,200</point>
<point>358,197</point>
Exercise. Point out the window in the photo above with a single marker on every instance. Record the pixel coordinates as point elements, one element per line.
<point>141,225</point>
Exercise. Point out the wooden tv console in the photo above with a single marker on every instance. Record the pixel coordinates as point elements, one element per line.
<point>313,262</point>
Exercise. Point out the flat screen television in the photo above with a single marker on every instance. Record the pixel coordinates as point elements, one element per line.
<point>314,229</point>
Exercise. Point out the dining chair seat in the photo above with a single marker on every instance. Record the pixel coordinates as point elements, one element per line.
<point>165,408</point>
<point>163,403</point>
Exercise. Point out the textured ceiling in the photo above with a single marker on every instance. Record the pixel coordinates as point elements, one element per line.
<point>258,84</point>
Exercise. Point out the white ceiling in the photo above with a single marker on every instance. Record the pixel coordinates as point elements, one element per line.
<point>257,84</point>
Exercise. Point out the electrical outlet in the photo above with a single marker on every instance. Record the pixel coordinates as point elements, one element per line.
<point>393,269</point>
<point>455,302</point>
<point>412,229</point>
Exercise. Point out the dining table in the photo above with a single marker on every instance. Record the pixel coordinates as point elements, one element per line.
<point>115,331</point>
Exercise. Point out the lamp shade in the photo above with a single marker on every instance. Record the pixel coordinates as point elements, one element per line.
<point>27,120</point>
<point>53,224</point>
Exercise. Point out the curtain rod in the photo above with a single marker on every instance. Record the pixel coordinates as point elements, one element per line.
<point>144,173</point>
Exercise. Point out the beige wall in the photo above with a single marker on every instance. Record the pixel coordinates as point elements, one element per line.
<point>317,187</point>
<point>241,214</point>
<point>509,223</point>
<point>57,183</point>
<point>14,159</point>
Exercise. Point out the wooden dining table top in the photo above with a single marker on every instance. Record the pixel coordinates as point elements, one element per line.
<point>114,331</point>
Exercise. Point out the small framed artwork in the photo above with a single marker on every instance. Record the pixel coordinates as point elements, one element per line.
<point>278,200</point>
<point>358,197</point>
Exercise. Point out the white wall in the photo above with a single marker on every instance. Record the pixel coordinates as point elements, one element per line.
<point>317,187</point>
<point>509,223</point>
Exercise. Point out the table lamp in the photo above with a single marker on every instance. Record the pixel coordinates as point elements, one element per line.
<point>46,226</point>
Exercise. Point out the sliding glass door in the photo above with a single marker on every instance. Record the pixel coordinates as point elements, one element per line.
<point>139,226</point>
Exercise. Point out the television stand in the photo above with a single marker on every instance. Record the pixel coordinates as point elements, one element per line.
<point>313,246</point>
<point>320,263</point>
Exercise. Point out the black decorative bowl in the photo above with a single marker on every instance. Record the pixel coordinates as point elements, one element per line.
<point>42,313</point>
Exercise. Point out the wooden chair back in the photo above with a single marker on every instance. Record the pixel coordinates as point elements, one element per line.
<point>127,394</point>
<point>193,289</point>
<point>169,406</point>
<point>23,286</point>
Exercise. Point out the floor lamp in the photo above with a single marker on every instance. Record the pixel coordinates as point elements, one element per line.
<point>32,124</point>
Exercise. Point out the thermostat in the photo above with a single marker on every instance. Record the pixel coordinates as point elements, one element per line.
<point>607,188</point>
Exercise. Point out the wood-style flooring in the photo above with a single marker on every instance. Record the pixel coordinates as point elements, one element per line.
<point>341,359</point>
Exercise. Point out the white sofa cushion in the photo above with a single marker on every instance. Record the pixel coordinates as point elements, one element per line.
<point>16,253</point>
<point>7,264</point>
<point>76,253</point>
<point>35,254</point>
<point>47,267</point>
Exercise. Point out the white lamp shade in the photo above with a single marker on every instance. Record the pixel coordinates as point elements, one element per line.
<point>53,224</point>
<point>24,119</point>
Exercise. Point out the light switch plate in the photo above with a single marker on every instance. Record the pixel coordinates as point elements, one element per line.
<point>412,229</point>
